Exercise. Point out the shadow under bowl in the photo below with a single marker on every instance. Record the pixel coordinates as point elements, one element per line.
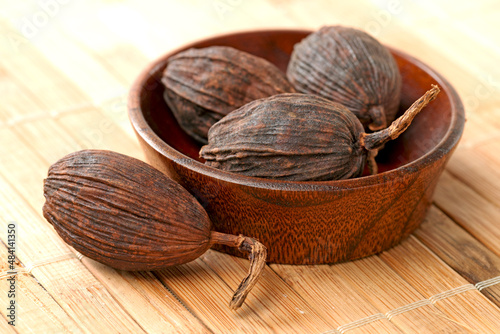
<point>308,222</point>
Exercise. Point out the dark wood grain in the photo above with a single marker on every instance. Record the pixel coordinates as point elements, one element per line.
<point>309,222</point>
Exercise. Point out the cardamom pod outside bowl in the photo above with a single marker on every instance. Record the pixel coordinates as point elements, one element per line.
<point>308,222</point>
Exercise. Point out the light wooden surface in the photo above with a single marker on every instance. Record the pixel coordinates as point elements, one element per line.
<point>65,68</point>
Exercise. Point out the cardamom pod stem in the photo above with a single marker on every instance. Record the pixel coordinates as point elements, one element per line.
<point>376,140</point>
<point>257,256</point>
<point>372,142</point>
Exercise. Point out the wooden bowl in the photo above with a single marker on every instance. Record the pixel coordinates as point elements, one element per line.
<point>308,222</point>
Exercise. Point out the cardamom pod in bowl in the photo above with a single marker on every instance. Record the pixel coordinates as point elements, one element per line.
<point>300,137</point>
<point>348,66</point>
<point>203,85</point>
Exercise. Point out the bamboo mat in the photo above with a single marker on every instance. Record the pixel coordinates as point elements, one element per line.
<point>65,68</point>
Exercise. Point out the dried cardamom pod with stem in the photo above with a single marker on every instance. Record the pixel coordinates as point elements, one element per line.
<point>203,85</point>
<point>124,213</point>
<point>348,66</point>
<point>300,137</point>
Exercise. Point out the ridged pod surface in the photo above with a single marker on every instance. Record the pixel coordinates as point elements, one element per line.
<point>124,213</point>
<point>300,137</point>
<point>288,137</point>
<point>203,85</point>
<point>348,66</point>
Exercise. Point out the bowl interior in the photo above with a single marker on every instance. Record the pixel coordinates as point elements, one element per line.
<point>426,132</point>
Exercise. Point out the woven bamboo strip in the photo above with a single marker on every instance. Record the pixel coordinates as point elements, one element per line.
<point>320,13</point>
<point>22,167</point>
<point>361,324</point>
<point>208,297</point>
<point>430,276</point>
<point>28,267</point>
<point>334,298</point>
<point>46,137</point>
<point>16,102</point>
<point>279,306</point>
<point>146,300</point>
<point>151,34</point>
<point>5,327</point>
<point>470,210</point>
<point>32,303</point>
<point>460,251</point>
<point>376,323</point>
<point>454,47</point>
<point>92,129</point>
<point>382,287</point>
<point>80,69</point>
<point>479,129</point>
<point>36,309</point>
<point>477,171</point>
<point>99,41</point>
<point>116,110</point>
<point>490,151</point>
<point>44,85</point>
<point>399,32</point>
<point>464,19</point>
<point>104,50</point>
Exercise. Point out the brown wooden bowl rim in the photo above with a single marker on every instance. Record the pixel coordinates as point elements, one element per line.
<point>141,126</point>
